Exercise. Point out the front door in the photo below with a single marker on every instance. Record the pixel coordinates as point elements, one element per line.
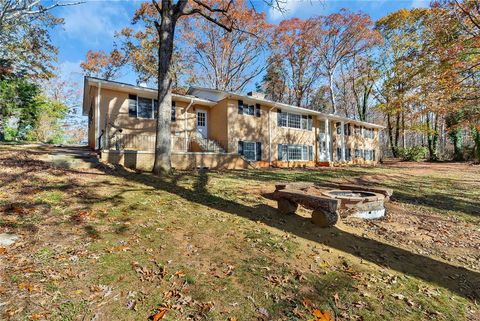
<point>202,122</point>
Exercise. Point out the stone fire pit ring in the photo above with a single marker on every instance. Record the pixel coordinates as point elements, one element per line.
<point>358,203</point>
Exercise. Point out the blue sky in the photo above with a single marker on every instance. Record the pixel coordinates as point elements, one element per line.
<point>92,25</point>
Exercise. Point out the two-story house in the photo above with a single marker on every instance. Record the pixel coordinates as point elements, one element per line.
<point>218,129</point>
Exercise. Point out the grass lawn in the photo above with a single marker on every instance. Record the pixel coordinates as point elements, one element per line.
<point>113,244</point>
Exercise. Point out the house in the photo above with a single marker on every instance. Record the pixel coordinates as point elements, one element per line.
<point>218,129</point>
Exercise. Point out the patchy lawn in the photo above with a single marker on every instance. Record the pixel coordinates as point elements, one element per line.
<point>112,244</point>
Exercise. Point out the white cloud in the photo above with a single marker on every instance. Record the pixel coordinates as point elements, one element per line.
<point>69,69</point>
<point>93,23</point>
<point>289,7</point>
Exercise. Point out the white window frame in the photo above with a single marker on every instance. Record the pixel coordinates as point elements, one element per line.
<point>304,152</point>
<point>288,119</point>
<point>245,143</point>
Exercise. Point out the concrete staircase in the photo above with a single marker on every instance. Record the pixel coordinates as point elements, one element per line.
<point>71,157</point>
<point>208,145</point>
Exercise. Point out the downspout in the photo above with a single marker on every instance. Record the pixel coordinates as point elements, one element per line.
<point>97,122</point>
<point>270,135</point>
<point>186,124</point>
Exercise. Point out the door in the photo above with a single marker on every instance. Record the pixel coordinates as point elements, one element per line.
<point>202,123</point>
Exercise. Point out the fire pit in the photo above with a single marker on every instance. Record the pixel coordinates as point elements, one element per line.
<point>328,205</point>
<point>358,203</point>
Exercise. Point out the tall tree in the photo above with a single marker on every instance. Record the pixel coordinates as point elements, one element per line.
<point>343,36</point>
<point>106,66</point>
<point>227,60</point>
<point>274,83</point>
<point>25,43</point>
<point>294,40</point>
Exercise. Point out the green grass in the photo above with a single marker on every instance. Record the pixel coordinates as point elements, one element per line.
<point>221,243</point>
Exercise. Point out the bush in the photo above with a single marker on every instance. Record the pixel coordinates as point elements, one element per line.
<point>412,154</point>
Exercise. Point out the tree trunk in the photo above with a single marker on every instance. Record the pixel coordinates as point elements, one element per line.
<point>397,129</point>
<point>390,137</point>
<point>2,130</point>
<point>432,138</point>
<point>476,148</point>
<point>456,137</point>
<point>332,94</point>
<point>166,32</point>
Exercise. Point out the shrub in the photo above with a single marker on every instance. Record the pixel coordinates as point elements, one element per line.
<point>412,154</point>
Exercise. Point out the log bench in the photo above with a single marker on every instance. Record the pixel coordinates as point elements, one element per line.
<point>324,209</point>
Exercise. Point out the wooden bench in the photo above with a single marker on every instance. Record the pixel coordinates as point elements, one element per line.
<point>324,209</point>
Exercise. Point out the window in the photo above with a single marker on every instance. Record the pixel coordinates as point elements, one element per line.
<point>132,105</point>
<point>348,154</point>
<point>144,107</point>
<point>369,155</point>
<point>253,110</point>
<point>358,153</point>
<point>368,133</point>
<point>282,119</point>
<point>294,120</point>
<point>339,153</point>
<point>358,130</point>
<point>338,126</point>
<point>249,150</point>
<point>201,119</point>
<point>252,151</point>
<point>295,152</point>
<point>346,129</point>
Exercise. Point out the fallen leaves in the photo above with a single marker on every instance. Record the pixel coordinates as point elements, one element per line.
<point>3,250</point>
<point>159,314</point>
<point>26,286</point>
<point>149,274</point>
<point>317,313</point>
<point>321,316</point>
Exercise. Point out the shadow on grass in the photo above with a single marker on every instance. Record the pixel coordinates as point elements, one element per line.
<point>457,279</point>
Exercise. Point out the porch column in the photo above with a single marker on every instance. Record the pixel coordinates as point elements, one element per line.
<point>342,140</point>
<point>327,140</point>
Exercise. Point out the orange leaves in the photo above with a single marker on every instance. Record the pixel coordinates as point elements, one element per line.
<point>160,314</point>
<point>317,313</point>
<point>321,316</point>
<point>3,250</point>
<point>26,286</point>
<point>103,65</point>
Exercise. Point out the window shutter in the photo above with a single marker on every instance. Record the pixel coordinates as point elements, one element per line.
<point>174,111</point>
<point>155,108</point>
<point>240,147</point>
<point>280,152</point>
<point>309,122</point>
<point>240,107</point>
<point>374,159</point>
<point>310,153</point>
<point>258,151</point>
<point>132,105</point>
<point>257,110</point>
<point>279,119</point>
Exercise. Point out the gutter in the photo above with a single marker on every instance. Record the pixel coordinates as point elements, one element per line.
<point>186,123</point>
<point>97,118</point>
